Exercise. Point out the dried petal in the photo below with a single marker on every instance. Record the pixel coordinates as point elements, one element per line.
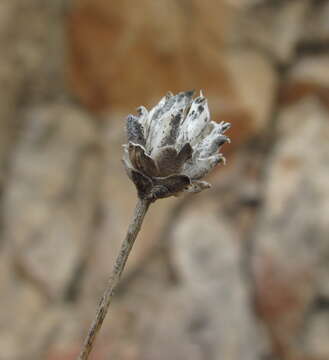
<point>167,161</point>
<point>141,161</point>
<point>135,130</point>
<point>171,137</point>
<point>163,119</point>
<point>195,122</point>
<point>185,153</point>
<point>183,100</point>
<point>128,167</point>
<point>171,162</point>
<point>143,116</point>
<point>197,186</point>
<point>170,185</point>
<point>159,119</point>
<point>143,184</point>
<point>200,167</point>
<point>212,142</point>
<point>224,126</point>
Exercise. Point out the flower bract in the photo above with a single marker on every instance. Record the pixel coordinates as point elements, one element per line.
<point>173,146</point>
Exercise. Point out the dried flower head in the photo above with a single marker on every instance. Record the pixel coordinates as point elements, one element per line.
<point>173,146</point>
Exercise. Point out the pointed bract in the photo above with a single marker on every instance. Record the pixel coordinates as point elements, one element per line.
<point>174,145</point>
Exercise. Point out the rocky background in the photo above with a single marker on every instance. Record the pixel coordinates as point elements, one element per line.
<point>240,272</point>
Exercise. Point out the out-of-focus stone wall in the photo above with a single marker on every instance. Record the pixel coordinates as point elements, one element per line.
<point>239,272</point>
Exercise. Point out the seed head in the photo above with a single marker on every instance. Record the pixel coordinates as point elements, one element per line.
<point>173,146</point>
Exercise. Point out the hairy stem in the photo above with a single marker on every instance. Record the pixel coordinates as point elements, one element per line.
<point>134,227</point>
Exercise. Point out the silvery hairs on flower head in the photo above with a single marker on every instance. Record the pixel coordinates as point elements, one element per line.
<point>172,146</point>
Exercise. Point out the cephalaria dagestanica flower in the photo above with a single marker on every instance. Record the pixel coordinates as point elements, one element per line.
<point>173,146</point>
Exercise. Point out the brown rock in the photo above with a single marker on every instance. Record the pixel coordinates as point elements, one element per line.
<point>123,55</point>
<point>146,51</point>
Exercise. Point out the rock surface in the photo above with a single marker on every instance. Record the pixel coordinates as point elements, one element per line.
<point>291,240</point>
<point>239,272</point>
<point>209,313</point>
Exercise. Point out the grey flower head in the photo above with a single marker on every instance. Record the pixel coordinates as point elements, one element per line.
<point>174,145</point>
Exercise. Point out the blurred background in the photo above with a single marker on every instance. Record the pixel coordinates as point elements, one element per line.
<point>239,272</point>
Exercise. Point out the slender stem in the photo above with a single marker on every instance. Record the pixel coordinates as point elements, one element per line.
<point>134,227</point>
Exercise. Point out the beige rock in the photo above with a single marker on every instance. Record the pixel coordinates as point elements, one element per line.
<point>311,69</point>
<point>208,315</point>
<point>38,144</point>
<point>67,202</point>
<point>307,78</point>
<point>316,30</point>
<point>273,29</point>
<point>48,199</point>
<point>22,307</point>
<point>317,335</point>
<point>291,241</point>
<point>255,82</point>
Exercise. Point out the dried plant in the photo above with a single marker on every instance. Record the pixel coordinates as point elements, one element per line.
<point>170,149</point>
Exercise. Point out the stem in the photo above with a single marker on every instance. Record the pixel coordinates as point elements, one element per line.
<point>134,227</point>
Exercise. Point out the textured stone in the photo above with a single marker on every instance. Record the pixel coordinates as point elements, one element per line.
<point>31,77</point>
<point>317,334</point>
<point>26,324</point>
<point>208,315</point>
<point>273,28</point>
<point>316,30</point>
<point>187,290</point>
<point>255,82</point>
<point>307,78</point>
<point>291,242</point>
<point>122,55</point>
<point>50,199</point>
<point>311,69</point>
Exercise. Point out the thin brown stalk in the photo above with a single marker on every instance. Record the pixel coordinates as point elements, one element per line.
<point>134,227</point>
